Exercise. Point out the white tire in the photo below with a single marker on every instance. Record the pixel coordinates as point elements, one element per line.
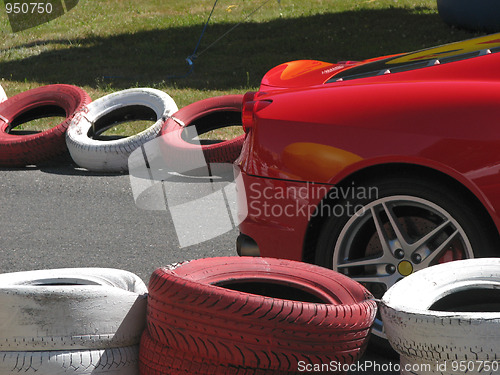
<point>118,361</point>
<point>445,314</point>
<point>69,309</point>
<point>3,95</point>
<point>112,156</point>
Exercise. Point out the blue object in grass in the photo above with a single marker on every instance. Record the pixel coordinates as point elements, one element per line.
<point>477,15</point>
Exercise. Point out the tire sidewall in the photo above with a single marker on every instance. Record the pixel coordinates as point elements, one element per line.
<point>92,308</point>
<point>187,308</point>
<point>220,152</point>
<point>71,99</point>
<point>151,98</point>
<point>421,334</point>
<point>450,201</point>
<point>20,150</point>
<point>112,156</point>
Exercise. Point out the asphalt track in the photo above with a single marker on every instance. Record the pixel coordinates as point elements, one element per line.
<point>58,216</point>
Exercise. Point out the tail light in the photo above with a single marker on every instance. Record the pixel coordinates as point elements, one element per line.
<point>249,96</point>
<point>252,105</point>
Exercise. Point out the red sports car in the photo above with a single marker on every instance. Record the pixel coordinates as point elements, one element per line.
<point>376,168</point>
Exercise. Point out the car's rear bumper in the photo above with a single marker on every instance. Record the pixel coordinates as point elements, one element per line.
<point>277,216</point>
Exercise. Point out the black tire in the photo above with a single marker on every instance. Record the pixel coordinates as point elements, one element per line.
<point>346,239</point>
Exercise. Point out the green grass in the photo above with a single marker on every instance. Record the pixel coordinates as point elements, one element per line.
<point>110,45</point>
<point>129,127</point>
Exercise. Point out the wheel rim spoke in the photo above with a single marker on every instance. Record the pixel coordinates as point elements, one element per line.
<point>395,226</point>
<point>380,261</point>
<point>384,240</point>
<point>433,233</point>
<point>438,252</point>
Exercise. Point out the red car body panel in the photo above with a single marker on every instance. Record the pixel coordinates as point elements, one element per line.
<point>318,131</point>
<point>279,236</point>
<point>301,73</point>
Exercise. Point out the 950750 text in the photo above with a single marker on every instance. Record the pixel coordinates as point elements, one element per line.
<point>28,8</point>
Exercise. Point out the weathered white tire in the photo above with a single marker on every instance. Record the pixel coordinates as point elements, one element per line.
<point>460,330</point>
<point>70,309</point>
<point>3,95</point>
<point>112,155</point>
<point>117,361</point>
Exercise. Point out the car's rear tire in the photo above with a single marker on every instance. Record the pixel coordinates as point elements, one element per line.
<point>348,241</point>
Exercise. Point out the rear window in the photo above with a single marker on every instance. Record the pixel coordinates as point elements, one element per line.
<point>420,59</point>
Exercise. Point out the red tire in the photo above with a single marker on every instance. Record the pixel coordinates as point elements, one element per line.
<point>206,115</point>
<point>158,359</point>
<point>260,313</point>
<point>46,101</point>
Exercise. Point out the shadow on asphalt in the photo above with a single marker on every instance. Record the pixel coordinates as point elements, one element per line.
<point>62,165</point>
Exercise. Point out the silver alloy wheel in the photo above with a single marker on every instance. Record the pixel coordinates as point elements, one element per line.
<point>394,236</point>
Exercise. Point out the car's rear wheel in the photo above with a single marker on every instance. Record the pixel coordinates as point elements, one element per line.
<point>388,229</point>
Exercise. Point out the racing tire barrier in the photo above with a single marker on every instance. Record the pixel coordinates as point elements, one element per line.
<point>116,361</point>
<point>445,317</point>
<point>71,309</point>
<point>158,359</point>
<point>479,15</point>
<point>45,101</point>
<point>112,155</point>
<point>3,95</point>
<point>257,314</point>
<point>206,115</point>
